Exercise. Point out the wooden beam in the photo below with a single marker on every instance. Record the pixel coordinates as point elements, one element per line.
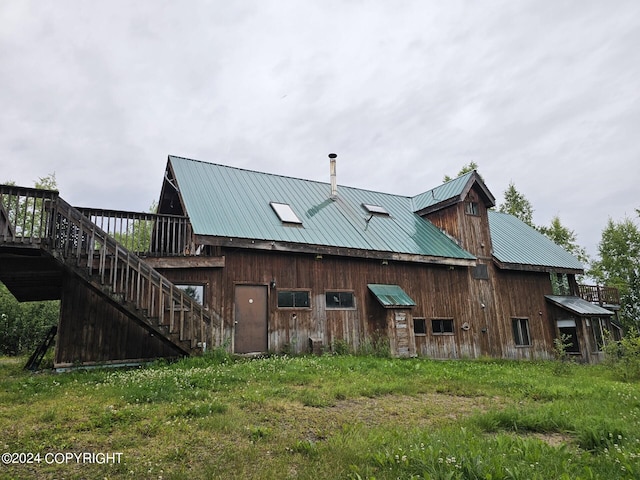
<point>277,246</point>
<point>185,262</point>
<point>535,268</point>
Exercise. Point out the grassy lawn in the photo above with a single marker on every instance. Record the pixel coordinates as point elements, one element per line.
<point>322,417</point>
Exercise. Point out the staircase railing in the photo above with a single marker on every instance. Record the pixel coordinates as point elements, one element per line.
<point>41,216</point>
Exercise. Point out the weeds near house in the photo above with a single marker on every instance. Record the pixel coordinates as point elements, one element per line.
<point>335,416</point>
<point>561,346</point>
<point>623,357</point>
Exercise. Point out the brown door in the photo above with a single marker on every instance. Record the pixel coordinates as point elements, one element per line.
<point>251,319</point>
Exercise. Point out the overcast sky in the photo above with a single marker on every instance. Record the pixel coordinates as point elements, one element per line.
<point>545,94</point>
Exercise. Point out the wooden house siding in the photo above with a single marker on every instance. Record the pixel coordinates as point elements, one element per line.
<point>439,293</point>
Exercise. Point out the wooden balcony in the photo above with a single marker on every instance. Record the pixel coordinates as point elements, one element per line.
<point>146,234</point>
<point>599,294</point>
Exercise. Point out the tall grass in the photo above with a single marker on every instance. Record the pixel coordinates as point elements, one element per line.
<point>335,416</point>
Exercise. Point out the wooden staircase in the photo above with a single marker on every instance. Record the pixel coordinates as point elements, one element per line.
<point>49,249</point>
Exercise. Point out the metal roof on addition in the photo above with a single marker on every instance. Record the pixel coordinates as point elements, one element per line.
<point>515,242</point>
<point>391,295</point>
<point>578,306</point>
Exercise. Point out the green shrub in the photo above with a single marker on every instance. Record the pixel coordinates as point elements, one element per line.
<point>23,326</point>
<point>623,357</point>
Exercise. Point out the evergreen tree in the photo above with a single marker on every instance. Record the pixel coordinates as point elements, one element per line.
<point>516,204</point>
<point>470,167</point>
<point>564,237</point>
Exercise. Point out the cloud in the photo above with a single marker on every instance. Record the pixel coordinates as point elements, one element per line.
<point>404,92</point>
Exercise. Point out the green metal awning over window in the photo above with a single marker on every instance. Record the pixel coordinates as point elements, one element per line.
<point>391,296</point>
<point>578,306</point>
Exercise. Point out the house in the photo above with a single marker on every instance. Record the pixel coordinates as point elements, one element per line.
<point>306,265</point>
<point>257,263</point>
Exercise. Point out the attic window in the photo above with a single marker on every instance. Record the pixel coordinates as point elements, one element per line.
<point>375,209</point>
<point>285,213</point>
<point>471,208</point>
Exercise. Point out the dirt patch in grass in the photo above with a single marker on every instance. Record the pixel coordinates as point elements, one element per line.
<point>406,411</point>
<point>553,439</point>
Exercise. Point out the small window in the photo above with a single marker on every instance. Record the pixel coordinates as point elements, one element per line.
<point>194,291</point>
<point>442,326</point>
<point>340,300</point>
<point>375,209</point>
<point>419,326</point>
<point>521,332</point>
<point>293,299</point>
<point>471,208</point>
<point>480,272</point>
<point>285,213</point>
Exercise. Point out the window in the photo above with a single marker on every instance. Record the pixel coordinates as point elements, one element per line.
<point>442,326</point>
<point>521,332</point>
<point>471,208</point>
<point>194,291</point>
<point>598,327</point>
<point>375,209</point>
<point>569,335</point>
<point>340,300</point>
<point>560,284</point>
<point>419,326</point>
<point>285,213</point>
<point>293,299</point>
<point>480,272</point>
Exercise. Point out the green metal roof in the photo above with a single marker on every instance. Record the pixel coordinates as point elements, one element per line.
<point>231,202</point>
<point>515,242</point>
<point>235,203</point>
<point>578,306</point>
<point>442,193</point>
<point>391,295</point>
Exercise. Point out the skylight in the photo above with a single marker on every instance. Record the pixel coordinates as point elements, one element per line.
<point>285,213</point>
<point>375,209</point>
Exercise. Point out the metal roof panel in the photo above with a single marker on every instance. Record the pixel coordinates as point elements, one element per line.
<point>578,305</point>
<point>515,242</point>
<point>391,295</point>
<point>232,202</point>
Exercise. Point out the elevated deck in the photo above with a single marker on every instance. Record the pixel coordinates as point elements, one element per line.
<point>115,307</point>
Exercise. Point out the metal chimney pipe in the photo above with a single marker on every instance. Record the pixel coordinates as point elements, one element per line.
<point>332,171</point>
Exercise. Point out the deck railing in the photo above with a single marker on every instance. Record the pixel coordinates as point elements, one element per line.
<point>147,234</point>
<point>599,294</point>
<point>23,213</point>
<point>40,216</point>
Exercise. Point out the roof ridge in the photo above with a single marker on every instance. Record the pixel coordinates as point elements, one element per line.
<point>289,177</point>
<point>447,182</point>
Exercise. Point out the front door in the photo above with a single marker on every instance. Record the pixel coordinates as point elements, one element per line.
<point>251,319</point>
